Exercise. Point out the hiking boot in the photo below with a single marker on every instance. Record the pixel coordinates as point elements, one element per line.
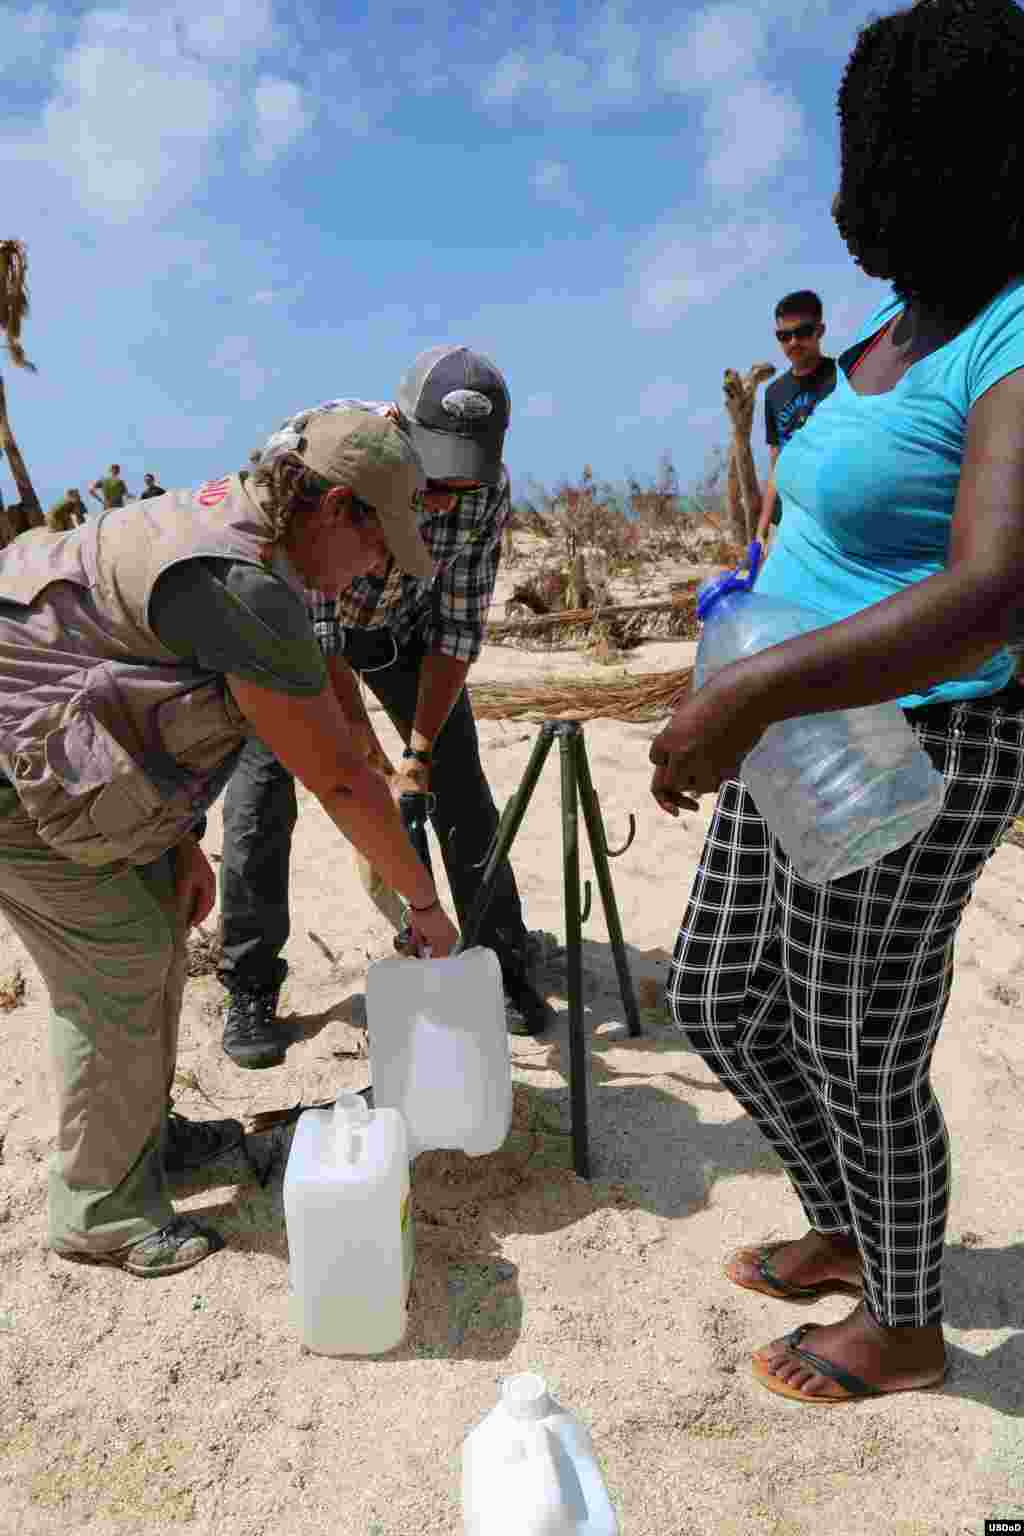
<point>190,1143</point>
<point>526,1011</point>
<point>179,1245</point>
<point>252,1035</point>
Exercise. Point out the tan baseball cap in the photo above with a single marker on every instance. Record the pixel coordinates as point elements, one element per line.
<point>373,457</point>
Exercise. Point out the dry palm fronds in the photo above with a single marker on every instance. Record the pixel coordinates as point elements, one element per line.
<point>635,700</point>
<point>630,622</point>
<point>14,298</point>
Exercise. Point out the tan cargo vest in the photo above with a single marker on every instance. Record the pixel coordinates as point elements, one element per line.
<point>114,745</point>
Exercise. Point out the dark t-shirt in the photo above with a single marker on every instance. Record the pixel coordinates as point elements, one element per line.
<point>226,616</point>
<point>152,490</point>
<point>788,403</point>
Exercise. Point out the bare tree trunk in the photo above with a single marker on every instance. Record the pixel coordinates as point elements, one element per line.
<point>31,513</point>
<point>743,494</point>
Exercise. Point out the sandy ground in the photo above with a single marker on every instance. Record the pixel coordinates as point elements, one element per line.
<point>187,1404</point>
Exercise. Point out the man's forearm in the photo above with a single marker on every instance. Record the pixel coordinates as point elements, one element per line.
<point>441,682</point>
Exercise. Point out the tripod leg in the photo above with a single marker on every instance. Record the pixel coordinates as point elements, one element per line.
<point>573,952</point>
<point>511,819</point>
<point>599,851</point>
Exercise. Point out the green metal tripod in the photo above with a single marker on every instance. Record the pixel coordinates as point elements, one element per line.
<point>577,791</point>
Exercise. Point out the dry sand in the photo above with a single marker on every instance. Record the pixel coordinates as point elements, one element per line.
<point>186,1404</point>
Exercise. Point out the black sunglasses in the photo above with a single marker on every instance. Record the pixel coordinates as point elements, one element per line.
<point>802,332</point>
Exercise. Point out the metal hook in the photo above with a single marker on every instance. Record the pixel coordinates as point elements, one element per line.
<point>616,853</point>
<point>587,893</point>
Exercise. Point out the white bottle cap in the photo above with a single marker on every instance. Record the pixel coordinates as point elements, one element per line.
<point>526,1396</point>
<point>351,1109</point>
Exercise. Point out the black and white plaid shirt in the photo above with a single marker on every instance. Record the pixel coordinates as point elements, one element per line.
<point>449,616</point>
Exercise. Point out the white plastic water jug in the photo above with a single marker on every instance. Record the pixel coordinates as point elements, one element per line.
<point>439,1050</point>
<point>838,790</point>
<point>350,1234</point>
<point>529,1469</point>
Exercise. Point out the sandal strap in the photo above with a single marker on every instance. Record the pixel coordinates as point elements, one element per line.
<point>768,1275</point>
<point>828,1368</point>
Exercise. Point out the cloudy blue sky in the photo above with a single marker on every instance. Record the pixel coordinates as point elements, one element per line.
<point>235,208</point>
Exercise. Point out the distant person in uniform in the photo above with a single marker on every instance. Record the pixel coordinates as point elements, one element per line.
<point>789,401</point>
<point>67,513</point>
<point>110,490</point>
<point>152,489</point>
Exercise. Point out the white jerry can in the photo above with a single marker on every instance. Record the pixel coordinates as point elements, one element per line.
<point>350,1232</point>
<point>439,1050</point>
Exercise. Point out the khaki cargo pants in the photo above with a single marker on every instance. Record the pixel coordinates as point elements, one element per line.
<point>111,950</point>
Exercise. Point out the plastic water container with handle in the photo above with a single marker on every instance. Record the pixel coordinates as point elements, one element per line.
<point>439,1050</point>
<point>529,1469</point>
<point>838,790</point>
<point>350,1233</point>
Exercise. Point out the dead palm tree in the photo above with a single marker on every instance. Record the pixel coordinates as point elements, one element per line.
<point>13,310</point>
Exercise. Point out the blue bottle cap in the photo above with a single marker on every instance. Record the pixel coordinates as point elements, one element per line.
<point>731,581</point>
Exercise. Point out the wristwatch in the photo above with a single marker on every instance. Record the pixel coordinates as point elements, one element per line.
<point>418,757</point>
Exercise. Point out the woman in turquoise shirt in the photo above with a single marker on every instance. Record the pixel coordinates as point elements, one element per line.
<point>819,1005</point>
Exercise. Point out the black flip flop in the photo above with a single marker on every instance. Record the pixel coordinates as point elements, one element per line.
<point>800,1295</point>
<point>853,1387</point>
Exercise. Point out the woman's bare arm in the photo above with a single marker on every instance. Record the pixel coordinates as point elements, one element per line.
<point>310,737</point>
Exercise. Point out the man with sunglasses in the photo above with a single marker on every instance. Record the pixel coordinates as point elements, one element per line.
<point>413,644</point>
<point>791,399</point>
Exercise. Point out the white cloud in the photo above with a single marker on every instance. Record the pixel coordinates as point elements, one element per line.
<point>680,268</point>
<point>752,129</point>
<point>720,44</point>
<point>659,400</point>
<point>281,119</point>
<point>145,101</point>
<point>598,68</point>
<point>614,47</point>
<point>236,359</point>
<point>229,29</point>
<point>707,416</point>
<point>509,80</point>
<point>28,37</point>
<point>539,406</point>
<point>133,119</point>
<point>552,183</point>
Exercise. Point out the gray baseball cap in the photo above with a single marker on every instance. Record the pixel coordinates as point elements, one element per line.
<point>457,408</point>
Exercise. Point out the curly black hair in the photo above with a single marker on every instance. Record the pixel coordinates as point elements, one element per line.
<point>931,112</point>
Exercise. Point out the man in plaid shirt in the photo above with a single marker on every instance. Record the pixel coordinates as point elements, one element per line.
<point>414,643</point>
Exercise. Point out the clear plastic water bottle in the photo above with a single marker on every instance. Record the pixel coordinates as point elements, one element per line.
<point>529,1469</point>
<point>838,790</point>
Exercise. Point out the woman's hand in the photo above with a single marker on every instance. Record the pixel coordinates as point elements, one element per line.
<point>434,930</point>
<point>195,884</point>
<point>704,743</point>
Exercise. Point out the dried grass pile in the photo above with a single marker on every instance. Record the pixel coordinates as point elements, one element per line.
<point>634,700</point>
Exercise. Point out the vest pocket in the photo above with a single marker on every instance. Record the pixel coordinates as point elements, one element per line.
<point>87,796</point>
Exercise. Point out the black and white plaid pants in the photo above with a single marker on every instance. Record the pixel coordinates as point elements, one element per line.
<point>818,1006</point>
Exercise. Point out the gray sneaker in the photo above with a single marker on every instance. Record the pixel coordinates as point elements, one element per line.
<point>179,1245</point>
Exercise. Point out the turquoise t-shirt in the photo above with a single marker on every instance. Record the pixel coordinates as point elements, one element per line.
<point>870,482</point>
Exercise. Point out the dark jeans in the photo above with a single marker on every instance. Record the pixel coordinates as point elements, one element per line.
<point>260,814</point>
